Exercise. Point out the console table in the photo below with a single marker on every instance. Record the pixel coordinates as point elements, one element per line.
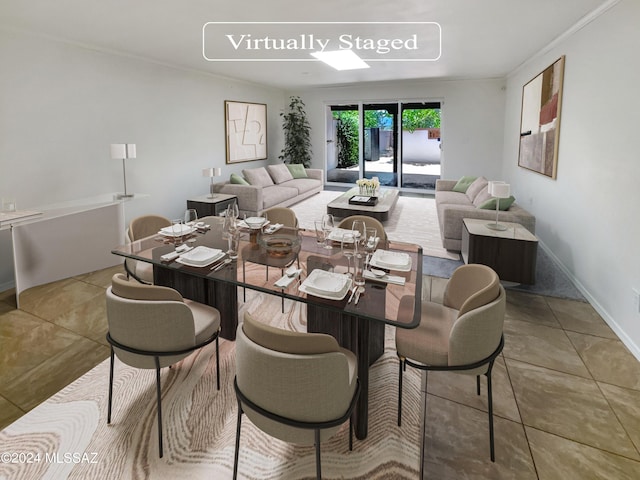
<point>511,253</point>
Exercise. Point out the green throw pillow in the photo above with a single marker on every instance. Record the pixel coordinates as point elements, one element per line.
<point>297,170</point>
<point>463,184</point>
<point>238,180</point>
<point>505,203</point>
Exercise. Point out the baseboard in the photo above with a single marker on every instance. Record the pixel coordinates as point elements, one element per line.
<point>624,338</point>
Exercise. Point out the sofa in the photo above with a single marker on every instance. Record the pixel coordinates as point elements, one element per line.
<point>452,206</point>
<point>280,185</point>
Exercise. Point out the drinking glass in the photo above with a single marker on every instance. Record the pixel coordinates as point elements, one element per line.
<point>358,229</point>
<point>233,241</point>
<point>349,248</point>
<point>190,216</point>
<point>327,226</point>
<point>358,270</point>
<point>176,228</point>
<point>370,243</point>
<point>320,236</point>
<point>232,211</point>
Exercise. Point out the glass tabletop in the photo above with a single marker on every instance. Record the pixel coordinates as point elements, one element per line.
<point>380,299</point>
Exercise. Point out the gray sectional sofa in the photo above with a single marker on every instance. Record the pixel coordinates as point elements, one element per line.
<point>271,186</point>
<point>453,206</point>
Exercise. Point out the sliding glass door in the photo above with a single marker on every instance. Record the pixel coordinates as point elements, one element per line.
<point>421,145</point>
<point>381,143</point>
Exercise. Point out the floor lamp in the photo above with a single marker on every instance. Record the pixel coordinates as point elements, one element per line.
<point>498,190</point>
<point>123,151</point>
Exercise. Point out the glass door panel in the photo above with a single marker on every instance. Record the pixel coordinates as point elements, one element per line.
<point>380,137</point>
<point>343,144</point>
<point>421,145</point>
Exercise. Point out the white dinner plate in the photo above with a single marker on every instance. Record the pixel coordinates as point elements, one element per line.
<point>391,260</point>
<point>323,279</point>
<point>184,230</point>
<point>184,261</point>
<point>201,255</point>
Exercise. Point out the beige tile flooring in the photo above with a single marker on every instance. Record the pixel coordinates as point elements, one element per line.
<point>566,390</point>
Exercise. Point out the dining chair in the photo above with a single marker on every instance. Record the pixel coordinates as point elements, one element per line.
<point>369,222</point>
<point>464,334</point>
<point>139,228</point>
<point>298,387</point>
<point>152,327</point>
<point>283,215</point>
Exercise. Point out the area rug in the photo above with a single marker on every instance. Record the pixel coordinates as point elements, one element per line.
<point>413,219</point>
<point>68,437</point>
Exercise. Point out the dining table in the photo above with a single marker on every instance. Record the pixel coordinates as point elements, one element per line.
<point>357,324</point>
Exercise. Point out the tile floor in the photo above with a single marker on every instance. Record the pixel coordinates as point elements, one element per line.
<point>566,390</point>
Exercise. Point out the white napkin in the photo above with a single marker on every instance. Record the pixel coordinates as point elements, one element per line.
<point>286,280</point>
<point>273,228</point>
<point>386,279</point>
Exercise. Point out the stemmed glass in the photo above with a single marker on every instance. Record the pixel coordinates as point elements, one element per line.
<point>327,226</point>
<point>190,217</point>
<point>370,243</point>
<point>231,233</point>
<point>349,248</point>
<point>358,228</point>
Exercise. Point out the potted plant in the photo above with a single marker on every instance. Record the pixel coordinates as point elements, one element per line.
<point>297,134</point>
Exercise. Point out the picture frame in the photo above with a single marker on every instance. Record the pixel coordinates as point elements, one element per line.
<point>245,131</point>
<point>540,120</point>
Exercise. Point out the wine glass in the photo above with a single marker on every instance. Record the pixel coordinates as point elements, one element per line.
<point>358,228</point>
<point>232,210</point>
<point>328,226</point>
<point>190,217</point>
<point>349,248</point>
<point>370,243</point>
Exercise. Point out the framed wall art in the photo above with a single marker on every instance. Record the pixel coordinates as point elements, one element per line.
<point>246,131</point>
<point>540,120</point>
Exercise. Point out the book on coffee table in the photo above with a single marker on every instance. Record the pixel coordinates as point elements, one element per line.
<point>363,200</point>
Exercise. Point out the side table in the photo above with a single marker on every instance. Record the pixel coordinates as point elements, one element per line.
<point>207,207</point>
<point>511,253</point>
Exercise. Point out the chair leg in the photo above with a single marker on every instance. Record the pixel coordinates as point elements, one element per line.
<point>110,386</point>
<point>478,384</point>
<point>490,402</point>
<point>400,391</point>
<point>318,468</point>
<point>218,361</point>
<point>159,399</point>
<point>235,456</point>
<point>351,433</point>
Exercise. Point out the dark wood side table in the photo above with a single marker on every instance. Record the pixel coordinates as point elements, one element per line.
<point>206,206</point>
<point>511,253</point>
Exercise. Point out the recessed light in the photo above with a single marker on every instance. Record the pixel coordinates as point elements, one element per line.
<point>341,59</point>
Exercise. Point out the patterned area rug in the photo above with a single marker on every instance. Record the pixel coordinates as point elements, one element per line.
<point>413,219</point>
<point>70,435</point>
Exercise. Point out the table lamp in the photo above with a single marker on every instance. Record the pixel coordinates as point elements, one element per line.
<point>498,190</point>
<point>211,172</point>
<point>123,151</point>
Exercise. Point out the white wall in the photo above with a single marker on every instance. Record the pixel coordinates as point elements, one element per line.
<point>62,105</point>
<point>472,119</point>
<point>588,217</point>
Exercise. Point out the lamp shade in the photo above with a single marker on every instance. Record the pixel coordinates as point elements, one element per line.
<point>211,172</point>
<point>499,189</point>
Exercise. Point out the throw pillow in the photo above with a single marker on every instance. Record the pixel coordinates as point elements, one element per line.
<point>297,170</point>
<point>237,179</point>
<point>504,204</point>
<point>476,186</point>
<point>280,173</point>
<point>463,184</point>
<point>258,177</point>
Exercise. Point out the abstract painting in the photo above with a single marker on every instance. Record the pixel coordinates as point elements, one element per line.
<point>246,131</point>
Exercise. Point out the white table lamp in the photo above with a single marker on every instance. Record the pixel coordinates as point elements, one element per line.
<point>123,151</point>
<point>498,190</point>
<point>211,172</point>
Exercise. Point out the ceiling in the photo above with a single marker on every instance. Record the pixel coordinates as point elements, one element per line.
<point>479,38</point>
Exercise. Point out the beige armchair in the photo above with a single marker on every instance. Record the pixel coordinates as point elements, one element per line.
<point>139,228</point>
<point>154,327</point>
<point>283,215</point>
<point>463,335</point>
<point>298,387</point>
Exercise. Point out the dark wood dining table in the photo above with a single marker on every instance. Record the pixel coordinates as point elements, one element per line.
<point>358,327</point>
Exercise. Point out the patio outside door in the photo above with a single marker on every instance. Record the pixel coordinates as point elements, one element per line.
<point>381,143</point>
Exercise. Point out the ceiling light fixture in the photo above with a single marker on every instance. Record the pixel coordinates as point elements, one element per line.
<point>341,59</point>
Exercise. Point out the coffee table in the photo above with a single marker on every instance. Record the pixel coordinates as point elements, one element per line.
<point>340,207</point>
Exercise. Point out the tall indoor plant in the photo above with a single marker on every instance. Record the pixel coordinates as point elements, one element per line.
<point>297,134</point>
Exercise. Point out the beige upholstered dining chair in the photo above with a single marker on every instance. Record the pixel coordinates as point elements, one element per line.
<point>139,228</point>
<point>295,386</point>
<point>464,334</point>
<point>369,222</point>
<point>154,327</point>
<point>283,215</point>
